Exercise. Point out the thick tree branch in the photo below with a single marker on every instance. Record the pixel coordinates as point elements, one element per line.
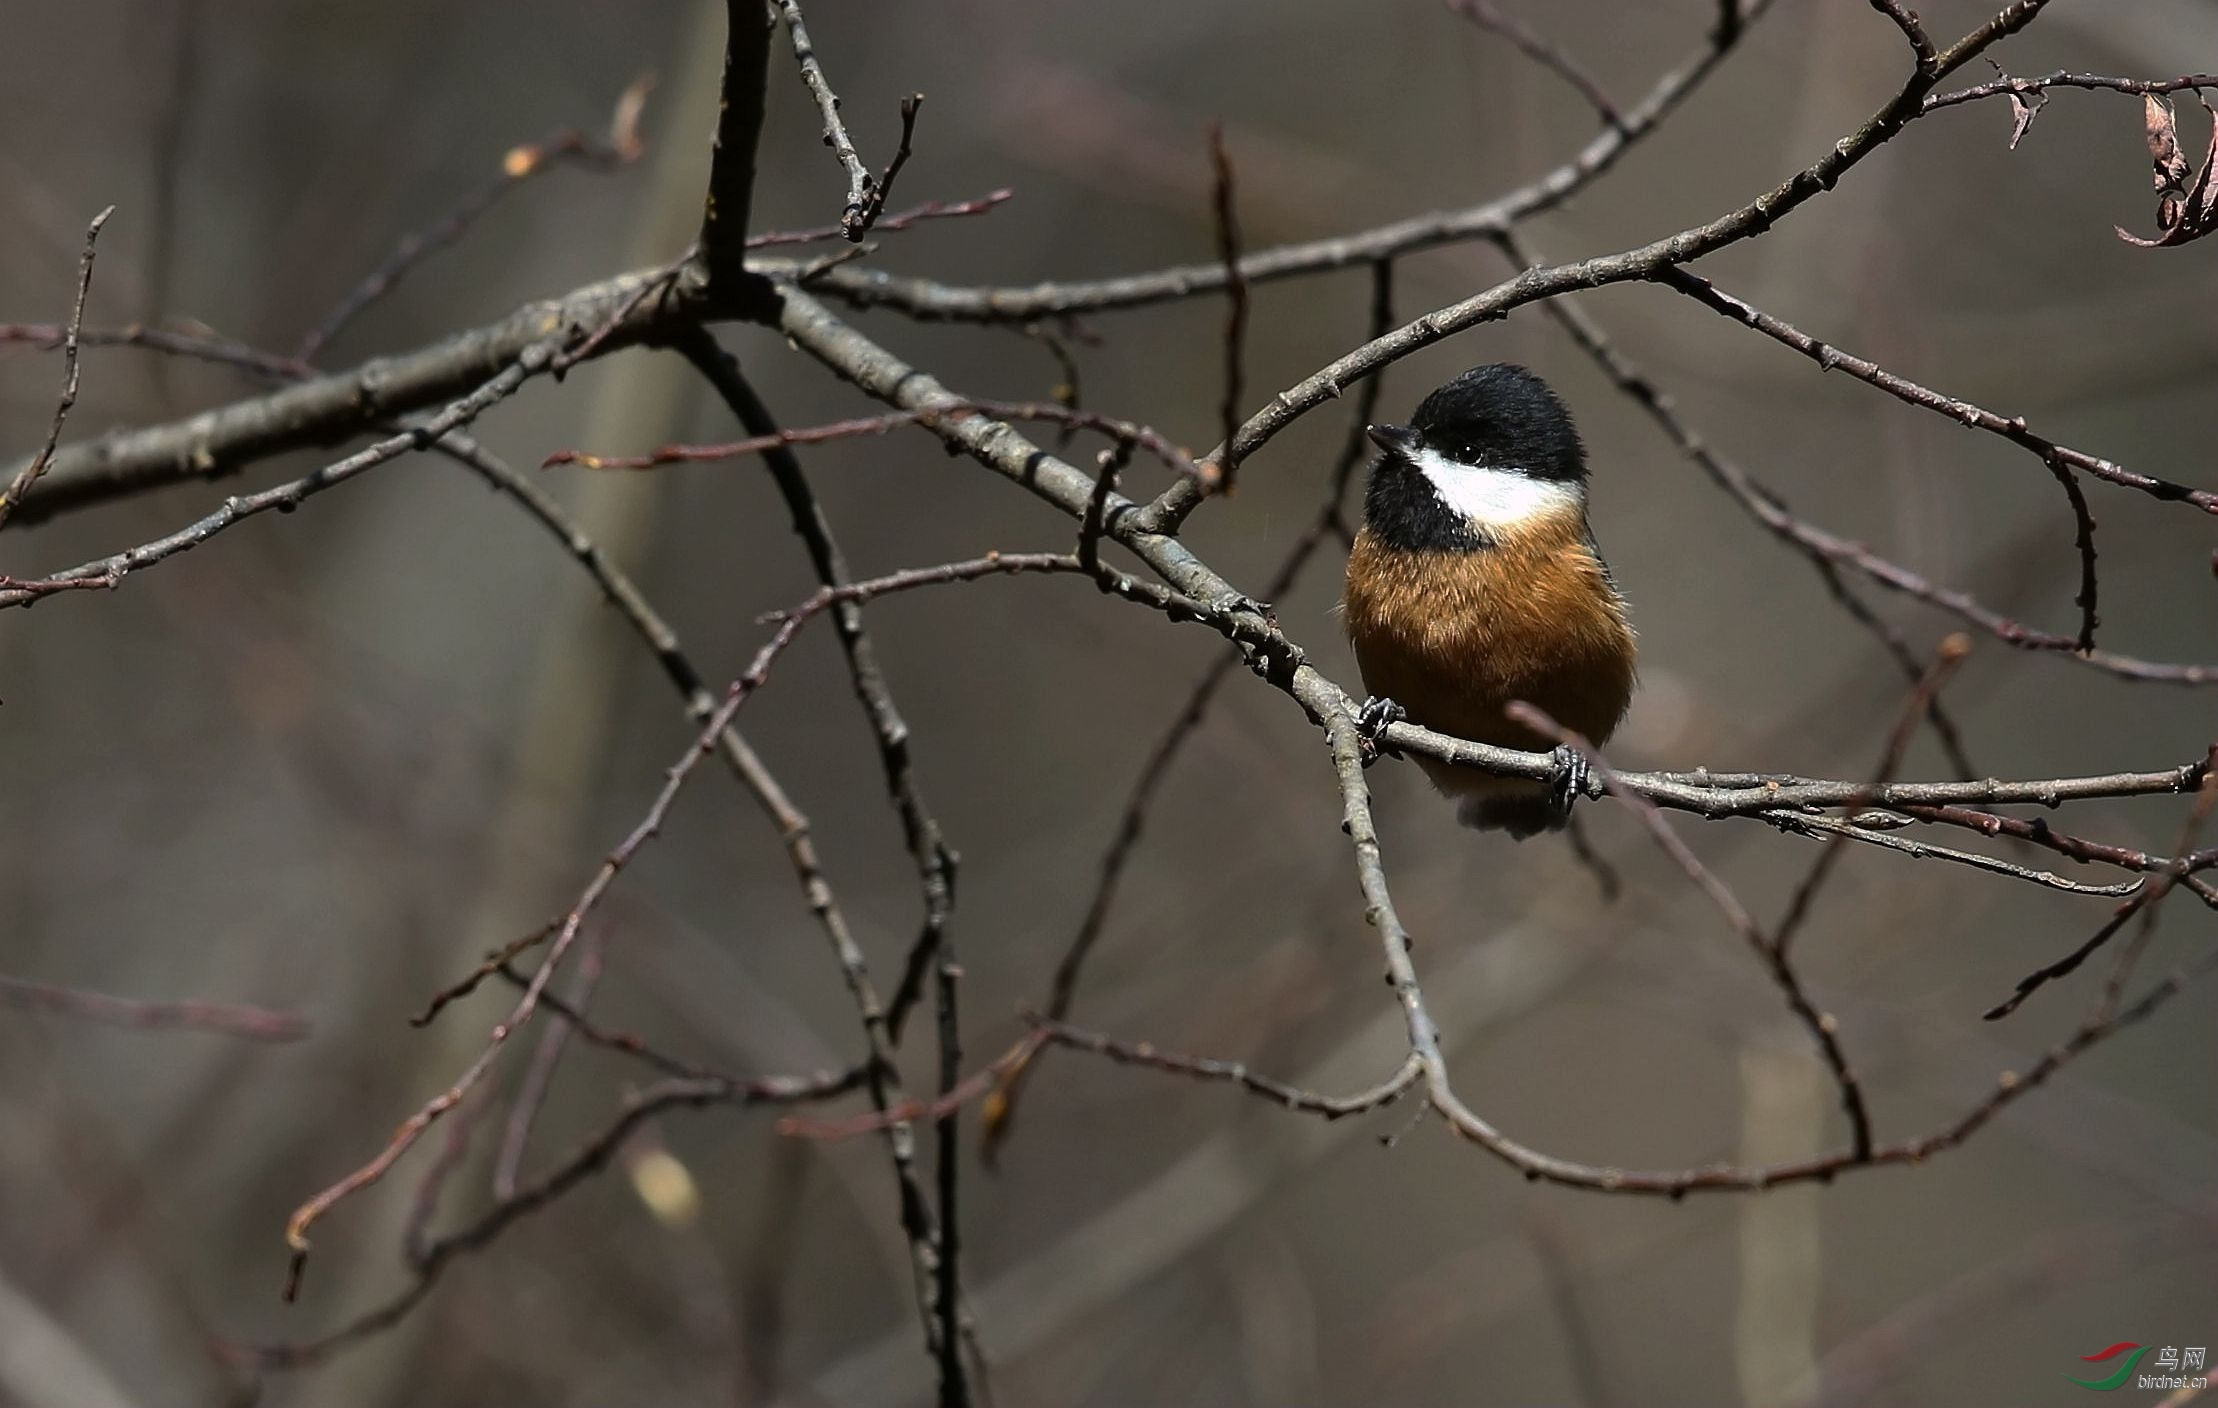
<point>724,214</point>
<point>329,409</point>
<point>111,570</point>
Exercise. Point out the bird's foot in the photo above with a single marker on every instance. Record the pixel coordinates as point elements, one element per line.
<point>1371,720</point>
<point>1574,779</point>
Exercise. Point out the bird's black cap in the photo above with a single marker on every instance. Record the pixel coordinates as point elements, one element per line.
<point>1500,416</point>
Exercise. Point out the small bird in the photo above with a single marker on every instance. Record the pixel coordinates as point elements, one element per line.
<point>1476,581</point>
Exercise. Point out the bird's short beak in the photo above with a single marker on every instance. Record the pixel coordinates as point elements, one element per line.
<point>1393,438</point>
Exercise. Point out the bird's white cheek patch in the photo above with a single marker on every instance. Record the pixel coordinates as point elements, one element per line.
<point>1499,498</point>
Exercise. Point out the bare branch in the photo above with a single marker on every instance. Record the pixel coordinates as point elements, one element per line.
<point>1003,449</point>
<point>1828,552</point>
<point>928,299</point>
<point>329,409</point>
<point>198,346</point>
<point>587,1159</point>
<point>1650,261</point>
<point>931,1241</point>
<point>1331,1107</point>
<point>1549,55</point>
<point>2006,86</point>
<point>224,1018</point>
<point>567,147</point>
<point>876,202</point>
<point>1330,522</point>
<point>1123,431</point>
<point>650,825</point>
<point>1220,471</point>
<point>1769,949</point>
<point>1862,828</point>
<point>731,192</point>
<point>2039,833</point>
<point>110,571</point>
<point>424,399</point>
<point>29,473</point>
<point>952,1097</point>
<point>2059,460</point>
<point>915,214</point>
<point>2183,866</point>
<point>1924,695</point>
<point>866,194</point>
<point>1906,20</point>
<point>531,1094</point>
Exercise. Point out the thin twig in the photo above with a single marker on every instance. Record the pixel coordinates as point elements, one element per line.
<point>1147,1054</point>
<point>2059,460</point>
<point>623,1042</point>
<point>1224,204</point>
<point>875,203</point>
<point>1107,466</point>
<point>531,1095</point>
<point>1761,504</point>
<point>1144,437</point>
<point>2037,831</point>
<point>2006,86</point>
<point>743,688</point>
<point>111,570</point>
<point>1770,949</point>
<point>657,285</point>
<point>330,408</point>
<point>866,194</point>
<point>2182,866</point>
<point>29,473</point>
<point>1650,261</point>
<point>518,165</point>
<point>2121,972</point>
<point>1826,551</point>
<point>933,300</point>
<point>1330,521</point>
<point>142,1014</point>
<point>1906,20</point>
<point>885,225</point>
<point>938,1291</point>
<point>586,1159</point>
<point>1859,829</point>
<point>953,1096</point>
<point>1545,52</point>
<point>1923,696</point>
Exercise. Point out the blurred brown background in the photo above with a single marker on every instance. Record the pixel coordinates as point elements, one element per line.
<point>326,761</point>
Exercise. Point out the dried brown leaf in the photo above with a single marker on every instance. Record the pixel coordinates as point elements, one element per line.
<point>2184,211</point>
<point>2022,110</point>
<point>2163,129</point>
<point>623,128</point>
